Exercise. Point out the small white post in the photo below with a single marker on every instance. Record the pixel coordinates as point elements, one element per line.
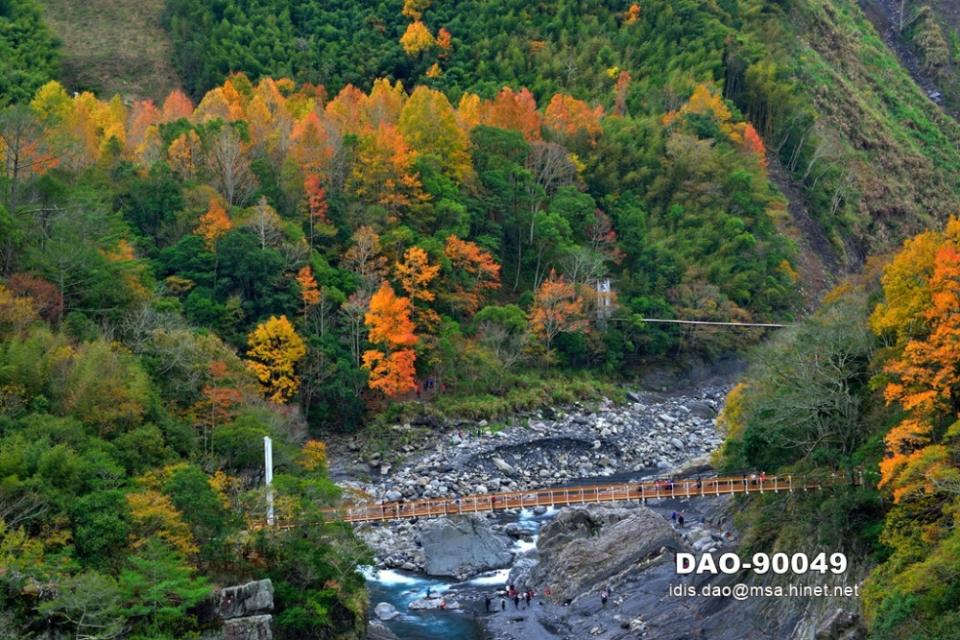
<point>268,476</point>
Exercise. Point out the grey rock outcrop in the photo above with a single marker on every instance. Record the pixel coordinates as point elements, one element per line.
<point>462,547</point>
<point>841,625</point>
<point>574,559</point>
<point>245,612</point>
<point>250,599</point>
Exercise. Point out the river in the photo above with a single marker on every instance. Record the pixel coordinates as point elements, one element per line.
<point>400,588</point>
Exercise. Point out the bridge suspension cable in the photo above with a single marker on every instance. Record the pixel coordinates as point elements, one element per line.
<point>716,323</point>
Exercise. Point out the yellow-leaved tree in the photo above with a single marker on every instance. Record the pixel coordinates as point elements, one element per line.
<point>416,274</point>
<point>274,349</point>
<point>416,39</point>
<point>429,125</point>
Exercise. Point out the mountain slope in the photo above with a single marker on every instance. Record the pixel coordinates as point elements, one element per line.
<point>113,46</point>
<point>877,158</point>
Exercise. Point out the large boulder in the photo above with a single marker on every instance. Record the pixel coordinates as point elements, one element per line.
<point>701,409</point>
<point>584,547</point>
<point>386,611</point>
<point>502,464</point>
<point>376,631</point>
<point>461,548</point>
<point>426,604</point>
<point>250,599</point>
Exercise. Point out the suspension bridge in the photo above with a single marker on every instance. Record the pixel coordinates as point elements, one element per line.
<point>639,491</point>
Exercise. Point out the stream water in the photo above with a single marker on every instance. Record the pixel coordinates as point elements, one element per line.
<point>401,588</point>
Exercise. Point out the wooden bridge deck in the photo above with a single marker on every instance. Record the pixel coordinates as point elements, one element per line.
<point>564,496</point>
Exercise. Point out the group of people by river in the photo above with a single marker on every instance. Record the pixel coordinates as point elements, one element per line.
<point>521,599</point>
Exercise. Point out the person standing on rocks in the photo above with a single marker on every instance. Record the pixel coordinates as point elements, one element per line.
<point>603,598</point>
<point>503,604</point>
<point>516,600</point>
<point>680,519</point>
<point>673,517</point>
<point>486,603</point>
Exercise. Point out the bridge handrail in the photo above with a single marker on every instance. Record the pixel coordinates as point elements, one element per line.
<point>645,489</point>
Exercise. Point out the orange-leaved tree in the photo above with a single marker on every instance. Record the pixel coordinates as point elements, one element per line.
<point>475,272</point>
<point>309,292</point>
<point>444,42</point>
<point>926,384</point>
<point>569,117</point>
<point>213,224</point>
<point>220,398</point>
<point>516,110</point>
<point>274,349</point>
<point>753,143</point>
<point>317,207</point>
<point>388,320</point>
<point>392,373</point>
<point>557,308</point>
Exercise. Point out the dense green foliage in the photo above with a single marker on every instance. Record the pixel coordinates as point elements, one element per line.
<point>28,51</point>
<point>568,45</point>
<point>872,153</point>
<point>110,521</point>
<point>805,408</point>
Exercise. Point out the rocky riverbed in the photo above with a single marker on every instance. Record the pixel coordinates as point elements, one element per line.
<point>567,557</point>
<point>583,551</point>
<point>651,434</point>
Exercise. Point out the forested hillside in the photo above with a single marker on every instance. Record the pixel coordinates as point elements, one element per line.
<point>925,33</point>
<point>181,279</point>
<point>872,153</point>
<point>870,383</point>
